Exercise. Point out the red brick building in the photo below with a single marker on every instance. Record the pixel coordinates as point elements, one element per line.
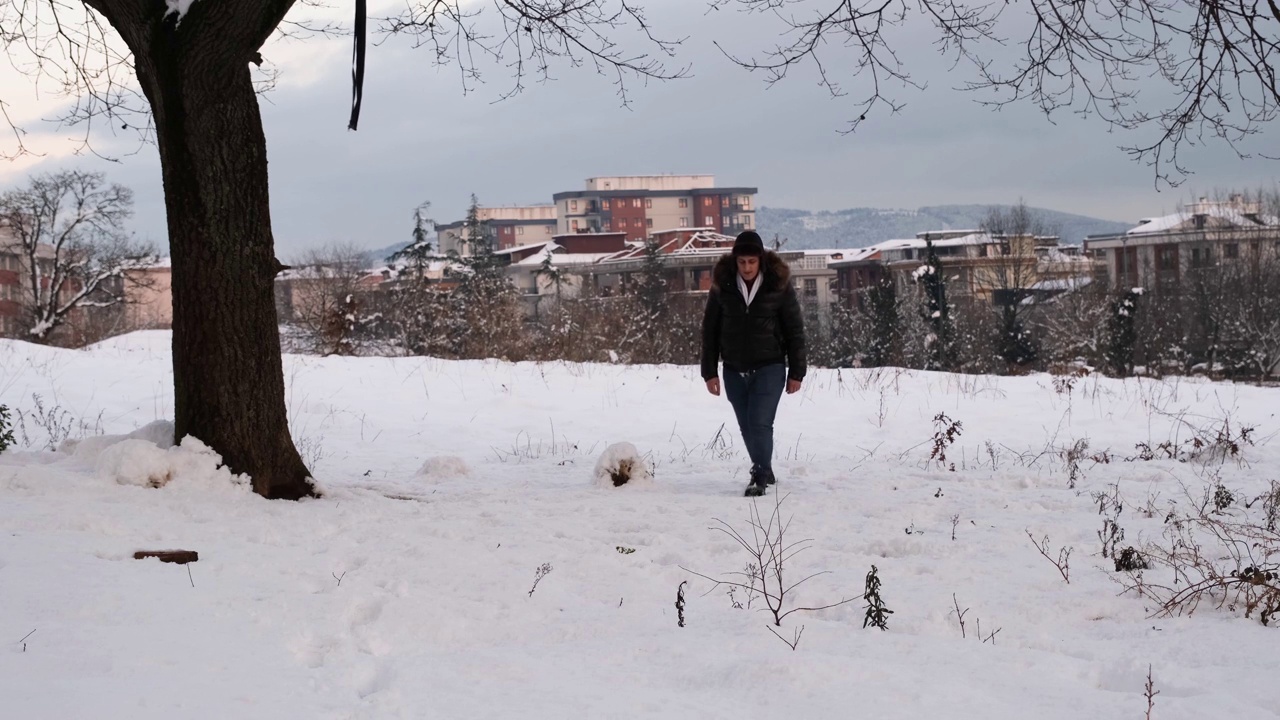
<point>641,205</point>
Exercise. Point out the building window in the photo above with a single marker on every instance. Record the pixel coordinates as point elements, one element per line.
<point>810,287</point>
<point>710,221</point>
<point>706,201</point>
<point>746,222</point>
<point>1231,251</point>
<point>573,205</point>
<point>635,202</point>
<point>684,222</point>
<point>745,202</point>
<point>1127,266</point>
<point>684,203</point>
<point>1201,257</point>
<point>519,229</point>
<point>724,201</point>
<point>635,222</point>
<point>648,222</point>
<point>648,202</point>
<point>604,204</point>
<point>608,227</point>
<point>1167,259</point>
<point>574,226</point>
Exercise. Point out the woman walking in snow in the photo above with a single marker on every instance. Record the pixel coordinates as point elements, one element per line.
<point>753,323</point>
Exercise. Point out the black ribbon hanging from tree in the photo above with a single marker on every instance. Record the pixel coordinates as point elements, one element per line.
<point>357,64</point>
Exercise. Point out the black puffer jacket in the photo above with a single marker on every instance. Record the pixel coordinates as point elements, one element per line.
<point>770,331</point>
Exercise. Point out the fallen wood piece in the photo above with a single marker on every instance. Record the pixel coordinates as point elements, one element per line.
<point>182,557</point>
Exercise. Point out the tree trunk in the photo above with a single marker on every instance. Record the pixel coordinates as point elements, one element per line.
<point>228,380</point>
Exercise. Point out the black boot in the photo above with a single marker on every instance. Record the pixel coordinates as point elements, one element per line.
<point>760,475</point>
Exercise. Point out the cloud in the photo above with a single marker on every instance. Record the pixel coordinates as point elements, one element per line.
<point>422,138</point>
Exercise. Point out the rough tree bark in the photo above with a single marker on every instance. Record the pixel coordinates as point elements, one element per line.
<point>228,379</point>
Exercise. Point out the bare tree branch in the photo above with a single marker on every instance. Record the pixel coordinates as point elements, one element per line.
<point>1178,73</point>
<point>528,36</point>
<point>68,229</point>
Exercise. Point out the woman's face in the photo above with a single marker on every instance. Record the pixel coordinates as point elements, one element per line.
<point>748,267</point>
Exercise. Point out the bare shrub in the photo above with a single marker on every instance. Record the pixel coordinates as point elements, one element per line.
<point>1229,561</point>
<point>321,295</point>
<point>770,549</point>
<point>960,615</point>
<point>877,613</point>
<point>55,422</point>
<point>542,571</point>
<point>946,432</point>
<point>6,429</point>
<point>1063,561</point>
<point>1218,440</point>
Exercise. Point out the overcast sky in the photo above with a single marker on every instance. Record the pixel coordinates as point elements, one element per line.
<point>422,139</point>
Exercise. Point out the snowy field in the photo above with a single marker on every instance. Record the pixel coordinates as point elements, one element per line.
<point>405,592</point>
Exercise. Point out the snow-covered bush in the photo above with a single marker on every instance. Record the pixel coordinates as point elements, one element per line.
<point>444,467</point>
<point>621,464</point>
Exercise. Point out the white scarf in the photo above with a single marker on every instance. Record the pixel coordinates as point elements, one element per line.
<point>749,294</point>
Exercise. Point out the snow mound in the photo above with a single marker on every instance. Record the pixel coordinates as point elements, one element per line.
<point>136,461</point>
<point>444,467</point>
<point>621,464</point>
<point>158,433</point>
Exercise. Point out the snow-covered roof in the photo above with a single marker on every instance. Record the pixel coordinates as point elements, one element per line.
<point>1052,284</point>
<point>1226,213</point>
<point>973,238</point>
<point>858,254</point>
<point>1055,255</point>
<point>699,243</point>
<point>521,248</point>
<point>561,258</point>
<point>392,270</point>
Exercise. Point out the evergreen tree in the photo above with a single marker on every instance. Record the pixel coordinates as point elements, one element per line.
<point>1122,332</point>
<point>651,282</point>
<point>487,316</point>
<point>1014,342</point>
<point>882,306</point>
<point>419,252</point>
<point>936,311</point>
<point>552,274</point>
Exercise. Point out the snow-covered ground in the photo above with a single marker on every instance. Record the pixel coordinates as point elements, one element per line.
<point>407,591</point>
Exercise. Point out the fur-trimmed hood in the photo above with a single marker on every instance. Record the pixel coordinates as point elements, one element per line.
<point>777,274</point>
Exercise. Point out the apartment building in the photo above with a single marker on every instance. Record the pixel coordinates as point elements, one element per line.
<point>1160,251</point>
<point>511,225</point>
<point>15,280</point>
<point>641,205</point>
<point>978,266</point>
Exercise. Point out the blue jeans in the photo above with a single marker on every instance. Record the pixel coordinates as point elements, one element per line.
<point>754,396</point>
